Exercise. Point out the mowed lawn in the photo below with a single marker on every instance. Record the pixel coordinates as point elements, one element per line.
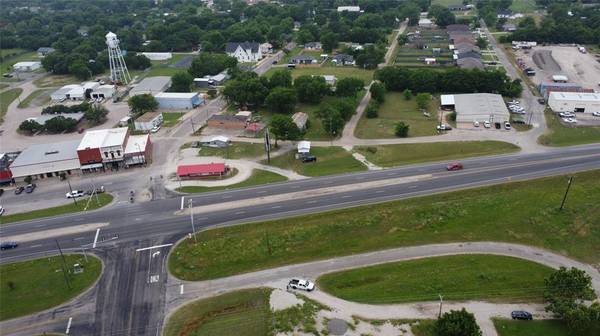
<point>258,177</point>
<point>506,327</point>
<point>244,313</point>
<point>559,135</point>
<point>396,109</point>
<point>460,277</point>
<point>31,286</point>
<point>6,98</point>
<point>170,119</point>
<point>237,150</point>
<point>397,155</point>
<point>330,161</point>
<point>520,212</point>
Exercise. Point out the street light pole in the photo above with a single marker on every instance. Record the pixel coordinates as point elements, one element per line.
<point>71,190</point>
<point>562,204</point>
<point>441,302</point>
<point>190,202</point>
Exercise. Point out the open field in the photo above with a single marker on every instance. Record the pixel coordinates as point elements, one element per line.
<point>460,277</point>
<point>244,313</point>
<point>31,286</point>
<point>396,155</point>
<point>506,327</point>
<point>396,109</point>
<point>55,80</point>
<point>330,161</point>
<point>258,177</point>
<point>170,119</point>
<point>559,135</point>
<point>521,212</point>
<point>523,6</point>
<point>237,150</point>
<point>38,98</point>
<point>59,210</point>
<point>3,86</point>
<point>6,98</point>
<point>338,71</point>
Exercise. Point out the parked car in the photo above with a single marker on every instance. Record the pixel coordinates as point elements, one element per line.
<point>309,158</point>
<point>570,120</point>
<point>487,124</point>
<point>75,194</point>
<point>514,102</point>
<point>454,166</point>
<point>19,190</point>
<point>566,114</point>
<point>596,114</point>
<point>476,123</point>
<point>301,284</point>
<point>521,315</point>
<point>507,125</point>
<point>30,188</point>
<point>8,245</point>
<point>1,191</point>
<point>155,129</point>
<point>443,127</point>
<point>541,101</point>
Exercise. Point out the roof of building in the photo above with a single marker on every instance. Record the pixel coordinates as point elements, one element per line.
<point>471,105</point>
<point>225,117</point>
<point>152,84</point>
<point>470,63</point>
<point>300,119</point>
<point>199,169</point>
<point>137,143</point>
<point>343,57</point>
<point>45,50</point>
<point>446,100</point>
<point>232,46</point>
<point>245,114</point>
<point>303,146</point>
<point>26,64</point>
<point>176,95</point>
<point>211,138</point>
<point>313,45</point>
<point>348,8</point>
<point>424,21</point>
<point>103,138</point>
<point>469,54</point>
<point>148,116</point>
<point>575,96</point>
<point>47,152</point>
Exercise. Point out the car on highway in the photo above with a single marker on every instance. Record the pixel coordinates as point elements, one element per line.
<point>75,194</point>
<point>8,245</point>
<point>596,114</point>
<point>487,124</point>
<point>454,166</point>
<point>521,315</point>
<point>309,158</point>
<point>301,284</point>
<point>30,188</point>
<point>19,190</point>
<point>507,126</point>
<point>476,123</point>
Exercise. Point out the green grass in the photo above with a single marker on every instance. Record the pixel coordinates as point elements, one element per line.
<point>237,150</point>
<point>55,80</point>
<point>459,277</point>
<point>3,86</point>
<point>506,327</point>
<point>59,210</point>
<point>559,135</point>
<point>338,71</point>
<point>395,109</point>
<point>521,212</point>
<point>258,177</point>
<point>396,155</point>
<point>523,6</point>
<point>244,313</point>
<point>170,119</point>
<point>6,98</point>
<point>39,284</point>
<point>330,160</point>
<point>6,65</point>
<point>35,95</point>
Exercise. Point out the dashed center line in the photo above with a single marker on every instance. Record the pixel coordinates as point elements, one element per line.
<point>240,212</point>
<point>276,207</point>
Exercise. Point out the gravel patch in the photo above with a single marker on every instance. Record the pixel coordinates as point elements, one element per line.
<point>280,300</point>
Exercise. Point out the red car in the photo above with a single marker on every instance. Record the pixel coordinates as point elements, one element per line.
<point>454,166</point>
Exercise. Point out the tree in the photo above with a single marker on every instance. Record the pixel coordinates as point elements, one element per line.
<point>423,100</point>
<point>80,70</point>
<point>95,114</point>
<point>457,323</point>
<point>402,39</point>
<point>332,121</point>
<point>372,110</point>
<point>349,86</point>
<point>284,128</point>
<point>565,289</point>
<point>401,129</point>
<point>211,64</point>
<point>378,92</point>
<point>141,104</point>
<point>311,89</point>
<point>30,126</point>
<point>329,41</point>
<point>482,43</point>
<point>282,100</point>
<point>246,91</point>
<point>343,107</point>
<point>181,82</point>
<point>443,16</point>
<point>370,57</point>
<point>407,94</point>
<point>60,124</point>
<point>282,78</point>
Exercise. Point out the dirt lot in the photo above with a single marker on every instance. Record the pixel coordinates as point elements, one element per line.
<point>582,69</point>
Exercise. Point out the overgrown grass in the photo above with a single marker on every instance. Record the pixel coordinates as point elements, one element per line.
<point>506,327</point>
<point>330,161</point>
<point>396,109</point>
<point>103,199</point>
<point>301,316</point>
<point>170,119</point>
<point>258,177</point>
<point>338,71</point>
<point>396,155</point>
<point>55,80</point>
<point>236,150</point>
<point>521,212</point>
<point>6,98</point>
<point>31,286</point>
<point>523,6</point>
<point>35,95</point>
<point>560,135</point>
<point>460,277</point>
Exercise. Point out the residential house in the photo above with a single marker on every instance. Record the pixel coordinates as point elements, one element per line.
<point>215,141</point>
<point>509,27</point>
<point>266,48</point>
<point>303,59</point>
<point>244,52</point>
<point>352,9</point>
<point>343,59</point>
<point>43,51</point>
<point>470,63</point>
<point>313,46</point>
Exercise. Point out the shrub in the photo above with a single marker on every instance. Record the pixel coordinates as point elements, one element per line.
<point>372,110</point>
<point>402,129</point>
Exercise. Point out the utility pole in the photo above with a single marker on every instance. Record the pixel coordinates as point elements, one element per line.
<point>64,268</point>
<point>268,146</point>
<point>562,204</point>
<point>192,122</point>
<point>71,190</point>
<point>441,302</point>
<point>190,202</point>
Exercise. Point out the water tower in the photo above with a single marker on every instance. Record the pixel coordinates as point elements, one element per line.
<point>118,68</point>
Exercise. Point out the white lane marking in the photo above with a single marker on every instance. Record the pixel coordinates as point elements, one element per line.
<point>152,247</point>
<point>261,192</point>
<point>412,187</point>
<point>182,200</point>
<point>379,191</point>
<point>276,207</point>
<point>96,238</point>
<point>36,245</point>
<point>226,196</point>
<point>200,218</point>
<point>346,196</point>
<point>240,212</point>
<point>69,325</point>
<point>311,202</point>
<point>78,238</point>
<point>181,289</point>
<point>41,225</point>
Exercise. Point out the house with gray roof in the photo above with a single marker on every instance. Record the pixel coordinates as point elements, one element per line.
<point>303,59</point>
<point>244,52</point>
<point>343,59</point>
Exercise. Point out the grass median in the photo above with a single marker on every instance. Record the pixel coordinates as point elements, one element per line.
<point>506,327</point>
<point>558,135</point>
<point>396,155</point>
<point>103,199</point>
<point>258,177</point>
<point>520,212</point>
<point>460,277</point>
<point>330,161</point>
<point>6,98</point>
<point>32,286</point>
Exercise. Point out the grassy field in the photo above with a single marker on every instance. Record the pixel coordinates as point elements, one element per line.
<point>559,135</point>
<point>258,177</point>
<point>338,71</point>
<point>237,150</point>
<point>170,119</point>
<point>506,327</point>
<point>3,86</point>
<point>529,215</point>
<point>395,109</point>
<point>40,97</point>
<point>59,210</point>
<point>523,6</point>
<point>244,313</point>
<point>459,277</point>
<point>35,285</point>
<point>55,80</point>
<point>6,98</point>
<point>330,161</point>
<point>396,155</point>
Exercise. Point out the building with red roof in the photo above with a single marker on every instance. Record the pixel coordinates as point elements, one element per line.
<point>199,171</point>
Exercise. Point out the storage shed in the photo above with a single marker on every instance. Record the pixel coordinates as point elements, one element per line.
<point>178,100</point>
<point>147,121</point>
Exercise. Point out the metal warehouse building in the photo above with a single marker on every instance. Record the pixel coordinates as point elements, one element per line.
<point>151,85</point>
<point>574,102</point>
<point>178,100</point>
<point>46,160</point>
<point>479,107</point>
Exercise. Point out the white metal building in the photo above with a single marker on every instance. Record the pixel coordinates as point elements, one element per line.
<point>158,56</point>
<point>574,102</point>
<point>151,85</point>
<point>178,100</point>
<point>147,121</point>
<point>480,107</point>
<point>104,91</point>
<point>46,160</point>
<point>27,66</point>
<point>215,141</point>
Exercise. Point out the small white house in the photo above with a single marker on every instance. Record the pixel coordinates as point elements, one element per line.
<point>26,66</point>
<point>330,79</point>
<point>215,141</point>
<point>429,60</point>
<point>353,9</point>
<point>147,121</point>
<point>158,56</point>
<point>266,48</point>
<point>244,52</point>
<point>425,23</point>
<point>304,147</point>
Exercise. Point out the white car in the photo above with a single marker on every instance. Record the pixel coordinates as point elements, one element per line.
<point>507,126</point>
<point>566,114</point>
<point>301,284</point>
<point>487,124</point>
<point>476,123</point>
<point>514,102</point>
<point>75,194</point>
<point>596,114</point>
<point>570,120</point>
<point>155,129</point>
